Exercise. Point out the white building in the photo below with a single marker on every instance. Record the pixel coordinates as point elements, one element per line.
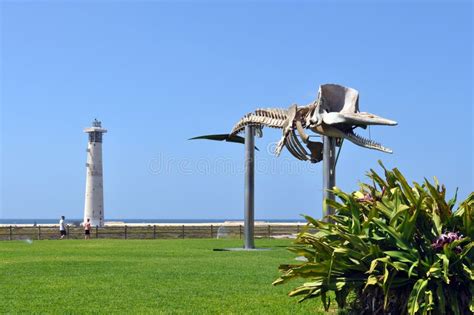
<point>94,200</point>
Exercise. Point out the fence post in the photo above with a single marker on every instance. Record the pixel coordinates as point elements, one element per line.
<point>96,231</point>
<point>11,235</point>
<point>39,232</point>
<point>183,231</point>
<point>240,231</point>
<point>125,232</point>
<point>212,234</point>
<point>67,234</point>
<point>154,231</point>
<point>269,231</point>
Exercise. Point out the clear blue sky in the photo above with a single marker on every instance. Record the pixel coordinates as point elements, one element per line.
<point>158,73</point>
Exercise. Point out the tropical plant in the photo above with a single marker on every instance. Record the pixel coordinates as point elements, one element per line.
<point>390,248</point>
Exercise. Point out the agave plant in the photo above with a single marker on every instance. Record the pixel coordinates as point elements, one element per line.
<point>390,248</point>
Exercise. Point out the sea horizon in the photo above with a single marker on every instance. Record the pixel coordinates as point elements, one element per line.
<point>56,220</point>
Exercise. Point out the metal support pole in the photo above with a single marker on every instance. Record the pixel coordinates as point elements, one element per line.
<point>329,173</point>
<point>249,187</point>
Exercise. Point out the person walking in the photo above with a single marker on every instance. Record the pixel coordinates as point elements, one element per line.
<point>87,229</point>
<point>62,227</point>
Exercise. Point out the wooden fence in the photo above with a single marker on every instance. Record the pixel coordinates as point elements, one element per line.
<point>148,232</point>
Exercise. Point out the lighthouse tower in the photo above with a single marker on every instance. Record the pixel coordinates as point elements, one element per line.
<point>94,201</point>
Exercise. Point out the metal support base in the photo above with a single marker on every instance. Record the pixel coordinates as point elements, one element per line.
<point>329,173</point>
<point>240,249</point>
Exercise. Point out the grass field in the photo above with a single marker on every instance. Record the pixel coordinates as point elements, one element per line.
<point>145,276</point>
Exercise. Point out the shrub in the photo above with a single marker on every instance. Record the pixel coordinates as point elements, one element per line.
<point>390,248</point>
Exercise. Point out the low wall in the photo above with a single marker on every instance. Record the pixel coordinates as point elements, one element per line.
<point>49,232</point>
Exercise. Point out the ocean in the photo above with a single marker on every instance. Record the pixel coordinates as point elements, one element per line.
<point>184,221</point>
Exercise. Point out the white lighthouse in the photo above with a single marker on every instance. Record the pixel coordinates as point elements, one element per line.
<point>94,201</point>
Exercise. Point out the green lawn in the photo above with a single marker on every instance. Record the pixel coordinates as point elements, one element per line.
<point>145,276</point>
